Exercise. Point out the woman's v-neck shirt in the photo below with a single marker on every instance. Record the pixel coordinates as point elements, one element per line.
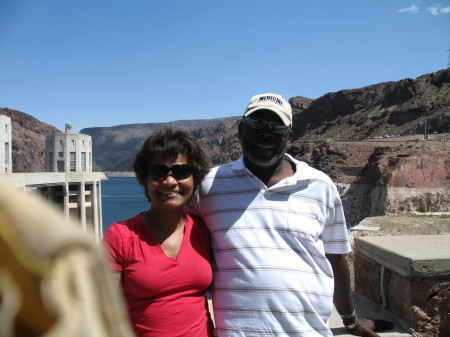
<point>165,296</point>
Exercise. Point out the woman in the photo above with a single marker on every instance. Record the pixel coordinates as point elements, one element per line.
<point>162,256</point>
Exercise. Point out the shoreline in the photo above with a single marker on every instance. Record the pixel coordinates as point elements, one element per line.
<point>118,174</point>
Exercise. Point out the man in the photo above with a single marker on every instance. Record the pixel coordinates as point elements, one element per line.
<point>278,235</point>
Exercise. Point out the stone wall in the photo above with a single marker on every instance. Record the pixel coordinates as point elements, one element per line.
<point>409,276</point>
<point>363,200</point>
<point>356,202</point>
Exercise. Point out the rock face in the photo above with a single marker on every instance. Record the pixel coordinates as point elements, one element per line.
<point>299,104</point>
<point>221,141</point>
<point>28,140</point>
<point>382,109</point>
<point>398,179</point>
<point>412,177</point>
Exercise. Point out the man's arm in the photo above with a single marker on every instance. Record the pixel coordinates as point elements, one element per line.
<point>343,300</point>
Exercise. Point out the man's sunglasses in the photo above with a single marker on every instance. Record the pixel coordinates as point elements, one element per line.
<point>178,171</point>
<point>256,123</point>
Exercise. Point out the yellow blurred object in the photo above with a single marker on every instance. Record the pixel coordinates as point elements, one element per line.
<point>53,278</point>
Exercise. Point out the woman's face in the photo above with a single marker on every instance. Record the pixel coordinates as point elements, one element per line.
<point>169,192</point>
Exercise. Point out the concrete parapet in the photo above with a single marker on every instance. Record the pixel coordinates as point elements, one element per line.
<point>410,276</point>
<point>77,193</point>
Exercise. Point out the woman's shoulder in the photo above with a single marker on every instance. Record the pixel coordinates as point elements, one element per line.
<point>191,218</point>
<point>129,226</point>
<point>196,223</point>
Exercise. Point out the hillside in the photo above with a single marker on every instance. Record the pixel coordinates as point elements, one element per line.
<point>330,132</point>
<point>391,108</point>
<point>114,147</point>
<point>28,140</point>
<point>368,140</point>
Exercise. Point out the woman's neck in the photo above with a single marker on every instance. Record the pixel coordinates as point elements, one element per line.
<point>164,223</point>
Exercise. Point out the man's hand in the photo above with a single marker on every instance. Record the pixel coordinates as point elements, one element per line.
<point>365,328</point>
<point>343,300</point>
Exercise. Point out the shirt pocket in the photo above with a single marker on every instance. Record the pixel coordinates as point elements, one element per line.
<point>304,227</point>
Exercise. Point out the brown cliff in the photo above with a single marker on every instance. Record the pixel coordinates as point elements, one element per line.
<point>411,177</point>
<point>28,141</point>
<point>411,165</point>
<point>390,108</point>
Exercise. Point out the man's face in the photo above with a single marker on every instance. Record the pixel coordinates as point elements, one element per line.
<point>261,147</point>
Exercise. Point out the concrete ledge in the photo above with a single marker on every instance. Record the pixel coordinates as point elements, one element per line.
<point>410,277</point>
<point>418,255</point>
<point>27,180</point>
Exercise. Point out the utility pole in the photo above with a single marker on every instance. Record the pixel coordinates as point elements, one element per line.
<point>448,61</point>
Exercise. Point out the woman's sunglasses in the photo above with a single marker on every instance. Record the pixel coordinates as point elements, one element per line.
<point>178,171</point>
<point>256,123</point>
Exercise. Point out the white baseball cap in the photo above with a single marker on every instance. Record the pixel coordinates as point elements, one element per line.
<point>272,102</point>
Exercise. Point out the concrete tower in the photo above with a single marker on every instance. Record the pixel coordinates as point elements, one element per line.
<point>5,145</point>
<point>68,152</point>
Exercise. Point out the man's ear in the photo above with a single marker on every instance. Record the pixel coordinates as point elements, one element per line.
<point>290,136</point>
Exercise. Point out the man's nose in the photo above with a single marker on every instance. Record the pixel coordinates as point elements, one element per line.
<point>266,132</point>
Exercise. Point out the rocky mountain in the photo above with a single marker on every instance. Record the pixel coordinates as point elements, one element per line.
<point>114,147</point>
<point>325,129</point>
<point>366,139</point>
<point>390,108</point>
<point>408,177</point>
<point>28,141</point>
<point>384,109</point>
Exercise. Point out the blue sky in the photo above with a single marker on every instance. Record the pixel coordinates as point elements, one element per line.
<point>111,62</point>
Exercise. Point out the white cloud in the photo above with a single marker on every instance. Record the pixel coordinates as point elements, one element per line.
<point>413,9</point>
<point>433,10</point>
<point>438,10</point>
<point>445,10</point>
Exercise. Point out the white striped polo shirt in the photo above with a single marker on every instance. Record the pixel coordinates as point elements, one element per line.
<point>271,276</point>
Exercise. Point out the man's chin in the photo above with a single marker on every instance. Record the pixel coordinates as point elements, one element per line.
<point>263,162</point>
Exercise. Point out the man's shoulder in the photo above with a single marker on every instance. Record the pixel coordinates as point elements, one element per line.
<point>306,172</point>
<point>222,177</point>
<point>231,168</point>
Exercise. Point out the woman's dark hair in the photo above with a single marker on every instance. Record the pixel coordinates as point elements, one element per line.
<point>168,144</point>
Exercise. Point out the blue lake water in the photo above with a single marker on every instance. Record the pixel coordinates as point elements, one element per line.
<point>122,198</point>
